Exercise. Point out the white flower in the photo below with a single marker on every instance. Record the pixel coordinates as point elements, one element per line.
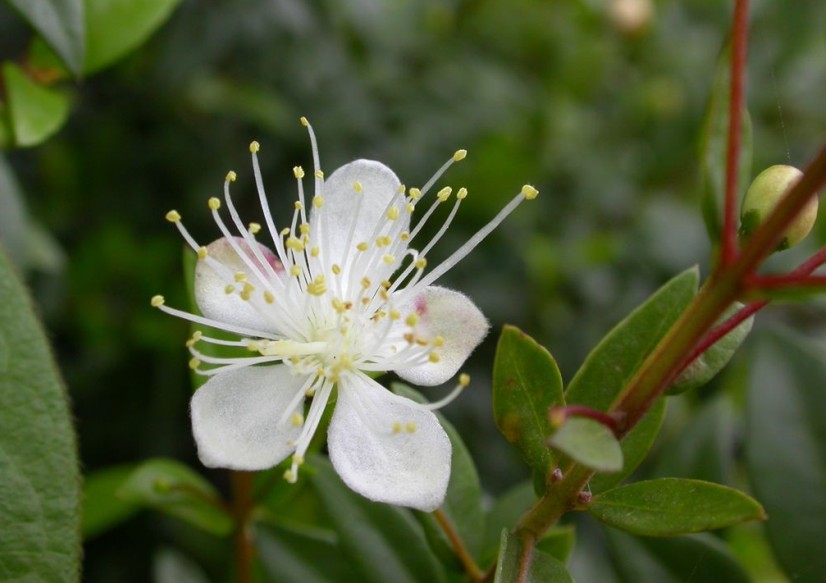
<point>321,313</point>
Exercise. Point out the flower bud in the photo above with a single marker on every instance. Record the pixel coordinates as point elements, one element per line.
<point>762,197</point>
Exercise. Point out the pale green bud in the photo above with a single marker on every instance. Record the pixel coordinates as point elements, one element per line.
<point>762,197</point>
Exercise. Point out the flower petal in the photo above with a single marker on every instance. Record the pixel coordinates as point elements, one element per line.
<point>211,288</point>
<point>239,419</point>
<point>408,467</point>
<point>379,186</point>
<point>454,317</point>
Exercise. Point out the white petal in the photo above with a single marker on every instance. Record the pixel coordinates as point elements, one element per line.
<point>454,317</point>
<point>210,287</point>
<point>341,209</point>
<point>402,468</point>
<point>239,419</point>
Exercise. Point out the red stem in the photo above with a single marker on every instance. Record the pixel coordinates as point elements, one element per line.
<point>763,282</point>
<point>735,123</point>
<point>242,506</point>
<point>606,419</point>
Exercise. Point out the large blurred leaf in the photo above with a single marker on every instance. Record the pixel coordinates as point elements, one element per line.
<point>713,147</point>
<point>590,443</point>
<point>672,506</point>
<point>505,512</point>
<point>115,27</point>
<point>13,216</point>
<point>541,569</point>
<point>39,478</point>
<point>463,503</point>
<point>102,508</point>
<point>35,111</point>
<point>382,542</point>
<point>296,554</point>
<point>170,566</point>
<point>786,455</point>
<point>60,23</point>
<point>699,558</point>
<point>173,488</point>
<point>526,383</point>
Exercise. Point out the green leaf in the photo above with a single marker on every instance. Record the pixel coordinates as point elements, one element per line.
<point>39,477</point>
<point>102,508</point>
<point>786,454</point>
<point>116,27</point>
<point>558,542</point>
<point>463,503</point>
<point>171,487</point>
<point>635,447</point>
<point>713,147</point>
<point>712,361</point>
<point>170,566</point>
<point>60,23</point>
<point>35,111</point>
<point>297,554</point>
<point>672,506</point>
<point>589,443</point>
<point>541,569</point>
<point>507,510</point>
<point>382,542</point>
<point>526,383</point>
<point>14,216</point>
<point>698,557</point>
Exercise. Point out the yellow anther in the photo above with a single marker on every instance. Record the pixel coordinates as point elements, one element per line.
<point>253,346</point>
<point>409,338</point>
<point>319,174</point>
<point>315,251</point>
<point>412,320</point>
<point>298,459</point>
<point>389,259</point>
<point>433,357</point>
<point>229,289</point>
<point>365,282</point>
<point>214,203</point>
<point>357,186</point>
<point>402,188</point>
<point>231,176</point>
<point>529,192</point>
<point>289,475</point>
<point>459,155</point>
<point>362,246</point>
<point>385,284</point>
<point>415,193</point>
<point>383,241</point>
<point>336,269</point>
<point>318,286</point>
<point>240,276</point>
<point>410,427</point>
<point>462,193</point>
<point>268,297</point>
<point>421,263</point>
<point>285,231</point>
<point>304,228</point>
<point>318,201</point>
<point>439,341</point>
<point>254,228</point>
<point>395,314</point>
<point>173,216</point>
<point>254,147</point>
<point>245,295</point>
<point>304,121</point>
<point>444,193</point>
<point>338,306</point>
<point>298,206</point>
<point>295,270</point>
<point>405,236</point>
<point>197,335</point>
<point>397,427</point>
<point>294,244</point>
<point>298,172</point>
<point>393,213</point>
<point>410,207</point>
<point>297,419</point>
<point>248,288</point>
<point>202,253</point>
<point>464,379</point>
<point>194,363</point>
<point>189,343</point>
<point>311,391</point>
<point>156,301</point>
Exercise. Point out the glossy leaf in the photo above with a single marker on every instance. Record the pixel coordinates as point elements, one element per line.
<point>541,569</point>
<point>35,111</point>
<point>673,506</point>
<point>102,508</point>
<point>297,554</point>
<point>526,384</point>
<point>463,503</point>
<point>589,443</point>
<point>786,454</point>
<point>382,542</point>
<point>712,361</point>
<point>697,557</point>
<point>39,477</point>
<point>713,147</point>
<point>116,28</point>
<point>61,24</point>
<point>171,487</point>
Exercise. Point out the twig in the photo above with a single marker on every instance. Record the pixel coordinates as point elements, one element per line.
<point>471,568</point>
<point>241,507</point>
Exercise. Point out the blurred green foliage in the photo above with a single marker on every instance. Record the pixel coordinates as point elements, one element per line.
<point>602,114</point>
